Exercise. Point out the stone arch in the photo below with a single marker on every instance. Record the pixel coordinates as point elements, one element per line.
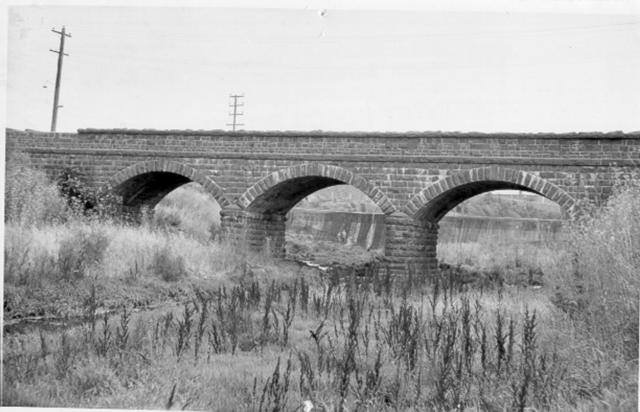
<point>148,182</point>
<point>281,190</point>
<point>433,202</point>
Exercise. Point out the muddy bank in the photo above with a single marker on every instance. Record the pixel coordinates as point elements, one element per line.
<point>338,257</point>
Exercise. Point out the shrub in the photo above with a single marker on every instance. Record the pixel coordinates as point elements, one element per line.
<point>189,209</point>
<point>74,190</point>
<point>79,251</point>
<point>167,265</point>
<point>166,219</point>
<point>604,288</point>
<point>85,200</point>
<point>30,197</point>
<point>27,264</point>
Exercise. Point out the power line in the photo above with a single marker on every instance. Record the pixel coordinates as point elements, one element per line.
<point>235,112</point>
<point>56,95</point>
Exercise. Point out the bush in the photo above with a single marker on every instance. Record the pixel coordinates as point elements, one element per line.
<point>189,209</point>
<point>85,200</point>
<point>167,265</point>
<point>30,197</point>
<point>602,291</point>
<point>27,264</point>
<point>79,251</point>
<point>166,219</point>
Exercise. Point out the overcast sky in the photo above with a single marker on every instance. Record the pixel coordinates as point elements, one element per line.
<point>324,68</point>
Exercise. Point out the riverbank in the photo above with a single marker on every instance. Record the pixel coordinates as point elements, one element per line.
<point>52,270</point>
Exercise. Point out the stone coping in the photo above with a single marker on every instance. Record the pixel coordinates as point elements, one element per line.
<point>350,134</point>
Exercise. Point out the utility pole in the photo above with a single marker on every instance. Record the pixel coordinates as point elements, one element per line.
<point>235,112</point>
<point>56,94</point>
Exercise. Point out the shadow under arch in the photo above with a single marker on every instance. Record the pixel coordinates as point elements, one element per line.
<point>282,190</point>
<point>435,201</point>
<point>146,183</point>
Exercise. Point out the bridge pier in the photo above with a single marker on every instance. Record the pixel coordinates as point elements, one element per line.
<point>410,245</point>
<point>258,232</point>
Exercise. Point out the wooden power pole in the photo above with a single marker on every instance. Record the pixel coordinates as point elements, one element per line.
<point>56,95</point>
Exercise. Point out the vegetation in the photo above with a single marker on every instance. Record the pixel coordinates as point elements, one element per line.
<point>191,210</point>
<point>238,331</point>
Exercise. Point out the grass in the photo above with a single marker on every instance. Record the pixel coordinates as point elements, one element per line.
<point>189,210</point>
<point>355,349</point>
<point>140,266</point>
<point>237,331</point>
<point>510,261</point>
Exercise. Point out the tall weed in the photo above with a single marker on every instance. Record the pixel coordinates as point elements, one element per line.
<point>600,287</point>
<point>167,265</point>
<point>30,197</point>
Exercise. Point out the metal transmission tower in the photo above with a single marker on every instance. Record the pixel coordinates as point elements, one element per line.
<point>56,94</point>
<point>235,112</point>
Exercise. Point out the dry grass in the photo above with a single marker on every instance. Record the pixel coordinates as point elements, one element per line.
<point>492,254</point>
<point>252,334</point>
<point>127,248</point>
<point>190,210</point>
<point>598,282</point>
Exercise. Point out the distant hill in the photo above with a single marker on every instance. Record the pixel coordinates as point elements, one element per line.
<point>518,205</point>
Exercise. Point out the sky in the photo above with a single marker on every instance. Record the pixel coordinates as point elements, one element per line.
<point>323,66</point>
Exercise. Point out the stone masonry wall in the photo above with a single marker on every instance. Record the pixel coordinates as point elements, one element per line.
<point>258,233</point>
<point>413,177</point>
<point>399,164</point>
<point>410,245</point>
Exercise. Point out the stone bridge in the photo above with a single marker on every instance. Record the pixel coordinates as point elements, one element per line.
<point>414,178</point>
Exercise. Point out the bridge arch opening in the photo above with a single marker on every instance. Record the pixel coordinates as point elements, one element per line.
<point>189,209</point>
<point>148,189</point>
<point>441,209</point>
<point>337,224</point>
<point>438,199</point>
<point>167,185</point>
<point>317,208</point>
<point>282,190</point>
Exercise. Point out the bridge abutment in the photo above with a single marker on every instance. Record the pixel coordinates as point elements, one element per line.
<point>410,245</point>
<point>257,232</point>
